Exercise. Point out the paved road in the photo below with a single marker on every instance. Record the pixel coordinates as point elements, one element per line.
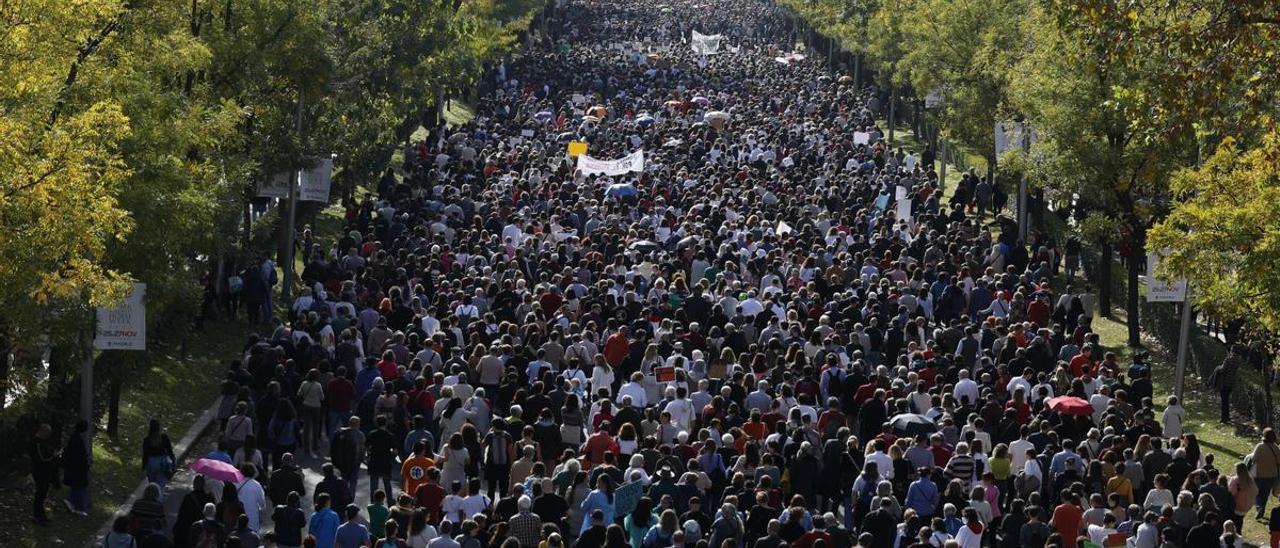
<point>181,483</point>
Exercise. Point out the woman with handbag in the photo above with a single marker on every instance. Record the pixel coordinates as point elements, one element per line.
<point>157,455</point>
<point>1265,460</point>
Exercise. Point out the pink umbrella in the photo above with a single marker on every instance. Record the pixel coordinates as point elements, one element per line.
<point>216,469</point>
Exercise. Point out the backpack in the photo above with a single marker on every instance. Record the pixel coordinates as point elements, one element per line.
<point>835,381</point>
<point>344,452</point>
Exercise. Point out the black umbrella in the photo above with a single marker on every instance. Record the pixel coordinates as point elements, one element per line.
<point>911,424</point>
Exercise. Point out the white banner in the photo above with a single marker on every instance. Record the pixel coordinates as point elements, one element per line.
<point>1159,291</point>
<point>277,187</point>
<point>125,326</point>
<point>706,44</point>
<point>633,162</point>
<point>315,182</point>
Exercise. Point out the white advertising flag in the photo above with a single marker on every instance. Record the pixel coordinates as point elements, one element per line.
<point>315,182</point>
<point>1159,291</point>
<point>125,326</point>
<point>277,187</point>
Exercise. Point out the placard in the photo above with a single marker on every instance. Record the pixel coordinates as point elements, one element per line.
<point>665,373</point>
<point>626,496</point>
<point>125,326</point>
<point>526,133</point>
<point>577,148</point>
<point>861,138</point>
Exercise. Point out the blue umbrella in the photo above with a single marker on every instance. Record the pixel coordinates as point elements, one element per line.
<point>544,115</point>
<point>645,120</point>
<point>621,190</point>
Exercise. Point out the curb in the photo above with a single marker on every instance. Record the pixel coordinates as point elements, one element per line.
<point>181,450</point>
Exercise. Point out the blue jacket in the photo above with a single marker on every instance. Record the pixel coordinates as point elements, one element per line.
<point>922,497</point>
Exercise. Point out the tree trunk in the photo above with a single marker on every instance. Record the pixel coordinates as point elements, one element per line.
<point>6,348</point>
<point>1104,279</point>
<point>1136,254</point>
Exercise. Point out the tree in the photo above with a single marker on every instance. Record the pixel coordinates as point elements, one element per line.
<point>1223,235</point>
<point>965,49</point>
<point>1090,95</point>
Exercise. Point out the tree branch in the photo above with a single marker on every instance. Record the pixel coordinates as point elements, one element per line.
<point>87,49</point>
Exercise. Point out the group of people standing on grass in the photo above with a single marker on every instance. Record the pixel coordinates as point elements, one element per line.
<point>776,329</point>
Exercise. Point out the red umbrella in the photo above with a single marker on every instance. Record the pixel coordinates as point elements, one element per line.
<point>218,470</point>
<point>1070,405</point>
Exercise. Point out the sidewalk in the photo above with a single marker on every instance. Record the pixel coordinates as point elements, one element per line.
<point>182,450</point>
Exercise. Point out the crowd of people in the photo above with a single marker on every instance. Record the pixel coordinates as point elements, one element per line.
<point>781,331</point>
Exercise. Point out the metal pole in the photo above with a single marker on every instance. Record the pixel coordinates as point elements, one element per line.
<point>286,289</point>
<point>1023,219</point>
<point>942,157</point>
<point>86,377</point>
<point>891,113</point>
<point>1184,339</point>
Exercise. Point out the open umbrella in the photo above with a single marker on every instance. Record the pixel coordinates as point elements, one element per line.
<point>912,424</point>
<point>216,469</point>
<point>644,120</point>
<point>544,115</point>
<point>674,104</point>
<point>598,111</point>
<point>701,101</point>
<point>1070,405</point>
<point>717,119</point>
<point>620,190</point>
<point>643,246</point>
<point>592,119</point>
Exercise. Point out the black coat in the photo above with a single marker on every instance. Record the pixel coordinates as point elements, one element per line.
<point>285,480</point>
<point>75,462</point>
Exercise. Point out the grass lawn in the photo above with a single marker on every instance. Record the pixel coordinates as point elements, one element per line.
<point>165,386</point>
<point>904,136</point>
<point>1228,444</point>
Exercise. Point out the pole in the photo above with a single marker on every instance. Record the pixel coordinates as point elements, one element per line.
<point>1184,340</point>
<point>891,113</point>
<point>942,157</point>
<point>1023,219</point>
<point>86,378</point>
<point>286,289</point>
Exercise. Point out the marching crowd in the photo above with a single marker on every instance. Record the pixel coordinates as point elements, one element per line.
<point>781,331</point>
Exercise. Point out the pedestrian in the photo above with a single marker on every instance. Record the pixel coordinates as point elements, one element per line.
<point>43,452</point>
<point>158,460</point>
<point>190,512</point>
<point>75,469</point>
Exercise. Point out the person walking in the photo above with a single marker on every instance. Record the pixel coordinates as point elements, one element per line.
<point>44,470</point>
<point>1265,460</point>
<point>158,460</point>
<point>75,470</point>
<point>1223,379</point>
